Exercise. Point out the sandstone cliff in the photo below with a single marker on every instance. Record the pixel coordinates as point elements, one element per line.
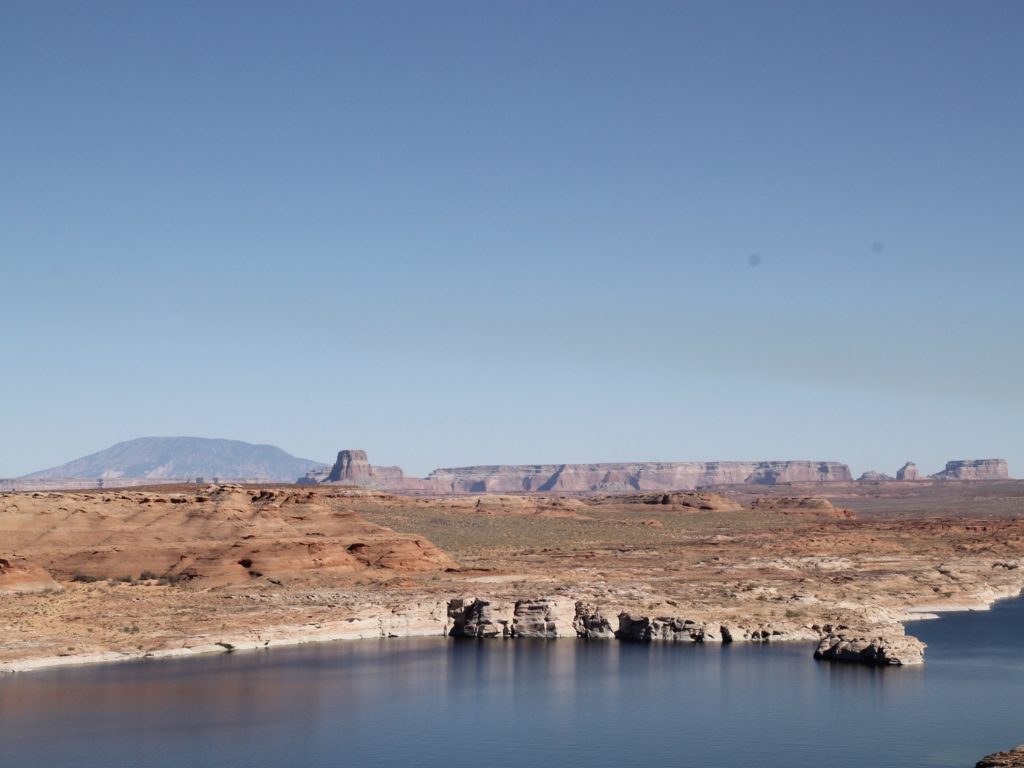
<point>908,472</point>
<point>353,467</point>
<point>974,469</point>
<point>644,476</point>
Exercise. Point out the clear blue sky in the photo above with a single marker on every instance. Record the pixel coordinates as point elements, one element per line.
<point>455,233</point>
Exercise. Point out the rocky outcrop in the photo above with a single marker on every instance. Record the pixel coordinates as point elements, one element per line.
<point>537,618</point>
<point>590,624</point>
<point>473,617</point>
<point>544,618</point>
<point>908,472</point>
<point>352,467</point>
<point>20,577</point>
<point>890,649</point>
<point>645,629</point>
<point>874,477</point>
<point>762,633</point>
<point>813,505</point>
<point>498,505</point>
<point>315,476</point>
<point>1011,758</point>
<point>974,469</point>
<point>702,502</point>
<point>548,617</point>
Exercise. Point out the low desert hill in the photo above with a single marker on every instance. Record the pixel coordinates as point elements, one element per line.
<point>224,535</point>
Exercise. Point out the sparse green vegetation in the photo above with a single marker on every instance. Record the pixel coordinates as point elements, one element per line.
<point>85,578</point>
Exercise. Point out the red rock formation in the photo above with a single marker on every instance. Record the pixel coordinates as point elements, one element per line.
<point>22,577</point>
<point>219,535</point>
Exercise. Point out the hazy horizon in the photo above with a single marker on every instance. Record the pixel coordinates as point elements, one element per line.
<point>422,473</point>
<point>455,234</point>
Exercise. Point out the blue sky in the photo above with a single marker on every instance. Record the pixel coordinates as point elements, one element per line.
<point>455,233</point>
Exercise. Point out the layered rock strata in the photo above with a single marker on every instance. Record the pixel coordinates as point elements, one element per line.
<point>554,617</point>
<point>353,468</point>
<point>532,617</point>
<point>974,469</point>
<point>908,472</point>
<point>891,649</point>
<point>631,477</point>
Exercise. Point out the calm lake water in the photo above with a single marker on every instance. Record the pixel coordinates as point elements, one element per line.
<point>435,702</point>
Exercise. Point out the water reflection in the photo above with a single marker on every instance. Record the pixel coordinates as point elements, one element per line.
<point>432,702</point>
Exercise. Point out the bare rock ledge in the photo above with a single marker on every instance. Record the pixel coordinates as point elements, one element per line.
<point>883,650</point>
<point>553,617</point>
<point>1011,758</point>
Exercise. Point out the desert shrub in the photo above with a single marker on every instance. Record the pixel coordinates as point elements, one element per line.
<point>86,578</point>
<point>172,579</point>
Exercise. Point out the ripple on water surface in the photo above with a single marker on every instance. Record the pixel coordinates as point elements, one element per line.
<point>436,702</point>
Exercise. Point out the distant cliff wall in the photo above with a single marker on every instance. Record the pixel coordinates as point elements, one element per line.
<point>353,467</point>
<point>641,476</point>
<point>974,469</point>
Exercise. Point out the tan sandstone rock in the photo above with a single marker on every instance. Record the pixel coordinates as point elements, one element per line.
<point>1011,758</point>
<point>908,472</point>
<point>891,649</point>
<point>800,504</point>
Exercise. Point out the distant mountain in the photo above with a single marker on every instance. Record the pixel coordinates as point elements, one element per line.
<point>161,458</point>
